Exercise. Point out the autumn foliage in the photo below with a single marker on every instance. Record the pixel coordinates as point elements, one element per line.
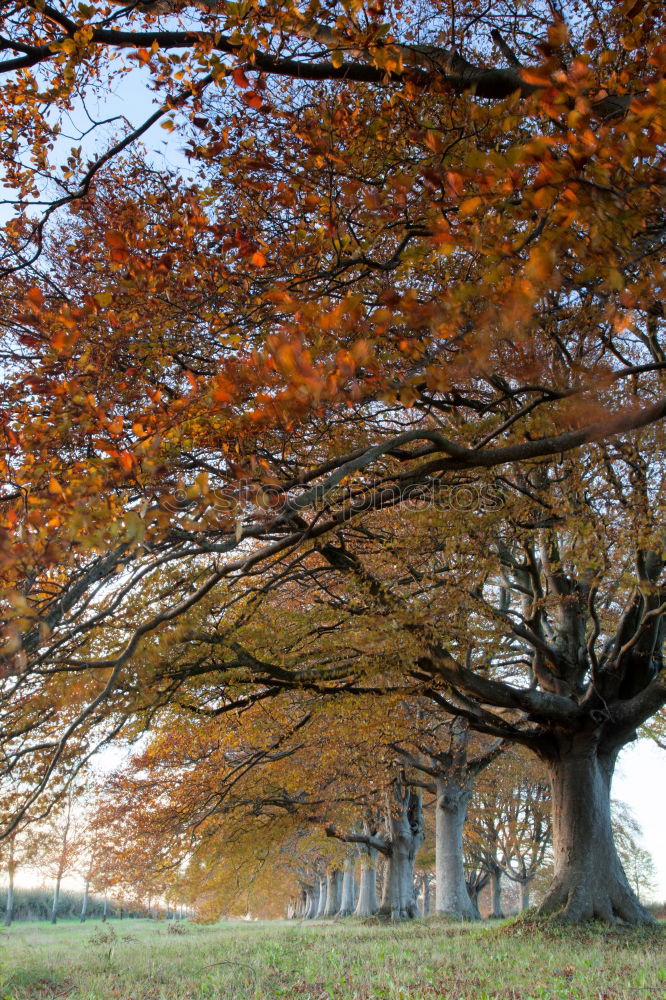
<point>352,388</point>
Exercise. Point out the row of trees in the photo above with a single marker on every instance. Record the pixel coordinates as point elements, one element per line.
<point>356,807</point>
<point>71,846</point>
<point>363,404</point>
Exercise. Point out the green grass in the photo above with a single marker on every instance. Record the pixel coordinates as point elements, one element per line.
<point>143,960</point>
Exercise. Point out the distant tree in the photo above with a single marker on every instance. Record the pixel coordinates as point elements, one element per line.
<point>636,860</point>
<point>60,845</point>
<point>16,851</point>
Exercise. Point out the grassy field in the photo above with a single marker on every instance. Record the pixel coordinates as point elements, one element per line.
<point>144,960</point>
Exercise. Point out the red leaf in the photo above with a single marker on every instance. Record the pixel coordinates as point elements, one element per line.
<point>239,78</point>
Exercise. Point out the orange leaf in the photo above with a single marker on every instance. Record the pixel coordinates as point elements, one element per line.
<point>239,78</point>
<point>258,259</point>
<point>469,206</point>
<point>35,298</point>
<point>116,240</point>
<point>454,184</point>
<point>126,461</point>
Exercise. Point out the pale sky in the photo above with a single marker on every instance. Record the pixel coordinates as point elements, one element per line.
<point>638,782</point>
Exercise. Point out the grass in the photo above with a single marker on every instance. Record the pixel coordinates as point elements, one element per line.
<point>144,960</point>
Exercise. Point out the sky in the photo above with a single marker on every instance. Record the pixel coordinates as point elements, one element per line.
<point>639,782</point>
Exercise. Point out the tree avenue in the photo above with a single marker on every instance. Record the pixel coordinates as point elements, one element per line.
<point>362,394</point>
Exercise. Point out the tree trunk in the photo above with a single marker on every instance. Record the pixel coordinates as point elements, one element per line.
<point>9,909</point>
<point>56,900</point>
<point>367,905</point>
<point>524,896</point>
<point>321,908</point>
<point>84,905</point>
<point>589,880</point>
<point>451,896</point>
<point>496,912</point>
<point>427,896</point>
<point>105,910</point>
<point>347,900</point>
<point>406,832</point>
<point>312,906</point>
<point>474,888</point>
<point>333,892</point>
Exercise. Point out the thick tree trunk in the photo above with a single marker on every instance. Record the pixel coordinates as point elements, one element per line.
<point>313,901</point>
<point>589,880</point>
<point>406,832</point>
<point>56,900</point>
<point>451,896</point>
<point>321,908</point>
<point>347,900</point>
<point>496,912</point>
<point>524,896</point>
<point>105,910</point>
<point>333,892</point>
<point>367,905</point>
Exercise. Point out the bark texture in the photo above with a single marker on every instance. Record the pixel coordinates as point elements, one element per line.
<point>367,904</point>
<point>348,897</point>
<point>333,892</point>
<point>406,832</point>
<point>321,906</point>
<point>451,895</point>
<point>496,911</point>
<point>589,882</point>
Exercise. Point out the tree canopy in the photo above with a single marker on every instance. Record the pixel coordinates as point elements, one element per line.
<point>357,388</point>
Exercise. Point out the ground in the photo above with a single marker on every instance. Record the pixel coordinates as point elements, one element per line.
<point>147,960</point>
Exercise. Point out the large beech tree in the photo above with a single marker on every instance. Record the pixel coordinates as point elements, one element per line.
<point>577,664</point>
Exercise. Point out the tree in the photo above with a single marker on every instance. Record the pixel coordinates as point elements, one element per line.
<point>510,831</point>
<point>636,860</point>
<point>17,851</point>
<point>59,847</point>
<point>592,676</point>
<point>445,755</point>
